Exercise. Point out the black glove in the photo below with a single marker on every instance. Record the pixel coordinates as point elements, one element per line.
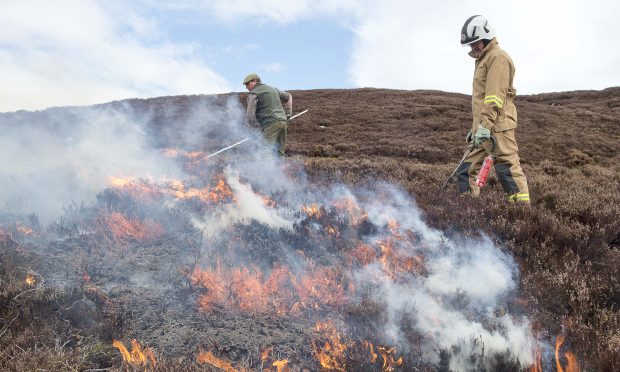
<point>468,137</point>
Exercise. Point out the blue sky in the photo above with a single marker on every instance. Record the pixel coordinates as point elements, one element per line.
<point>79,52</point>
<point>301,55</point>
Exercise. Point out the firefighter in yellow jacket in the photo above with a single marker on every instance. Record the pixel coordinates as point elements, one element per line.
<point>494,114</point>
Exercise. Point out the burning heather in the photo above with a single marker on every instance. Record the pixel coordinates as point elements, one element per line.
<point>241,263</point>
<point>138,356</point>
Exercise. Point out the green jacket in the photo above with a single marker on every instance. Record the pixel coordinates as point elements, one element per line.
<point>265,105</point>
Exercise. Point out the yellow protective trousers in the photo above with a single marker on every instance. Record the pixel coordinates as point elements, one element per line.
<point>506,164</point>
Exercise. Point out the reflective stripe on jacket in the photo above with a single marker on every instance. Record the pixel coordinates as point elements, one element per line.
<point>493,91</point>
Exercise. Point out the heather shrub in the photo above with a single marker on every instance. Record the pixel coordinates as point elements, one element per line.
<point>576,158</point>
<point>43,328</point>
<point>565,243</point>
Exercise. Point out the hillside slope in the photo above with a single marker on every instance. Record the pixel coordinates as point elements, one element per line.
<point>566,244</point>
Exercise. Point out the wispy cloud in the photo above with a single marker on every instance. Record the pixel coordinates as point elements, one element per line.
<point>278,11</point>
<point>79,52</point>
<point>415,44</point>
<point>273,67</point>
<point>72,52</point>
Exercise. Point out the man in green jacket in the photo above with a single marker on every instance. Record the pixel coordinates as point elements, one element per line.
<point>494,113</point>
<point>265,110</point>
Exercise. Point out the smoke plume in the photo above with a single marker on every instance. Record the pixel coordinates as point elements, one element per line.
<point>458,299</point>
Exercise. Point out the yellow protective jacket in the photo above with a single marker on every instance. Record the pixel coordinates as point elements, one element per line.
<point>493,91</point>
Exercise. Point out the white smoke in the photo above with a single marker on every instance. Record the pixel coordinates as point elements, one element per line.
<point>248,206</point>
<point>56,157</point>
<point>69,155</point>
<point>449,316</point>
<point>459,304</point>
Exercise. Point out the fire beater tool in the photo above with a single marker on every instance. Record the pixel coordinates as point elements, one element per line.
<point>248,138</point>
<point>486,167</point>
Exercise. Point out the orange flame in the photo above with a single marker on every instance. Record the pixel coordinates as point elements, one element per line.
<point>571,359</point>
<point>195,155</point>
<point>373,355</point>
<point>264,355</point>
<point>139,189</point>
<point>208,357</point>
<point>388,358</point>
<point>175,188</point>
<point>137,356</point>
<point>313,210</point>
<point>171,152</point>
<point>267,201</point>
<point>30,280</point>
<point>393,260</point>
<point>387,354</point>
<point>364,254</point>
<point>25,230</point>
<point>214,282</point>
<point>192,156</point>
<point>356,214</point>
<point>281,292</point>
<point>281,365</point>
<point>121,182</point>
<point>537,366</point>
<point>221,192</point>
<point>123,228</point>
<point>331,355</point>
<point>332,230</point>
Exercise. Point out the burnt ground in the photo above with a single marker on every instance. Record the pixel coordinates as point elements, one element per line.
<point>119,287</point>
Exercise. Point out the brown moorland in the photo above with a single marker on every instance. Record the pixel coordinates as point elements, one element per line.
<point>566,244</point>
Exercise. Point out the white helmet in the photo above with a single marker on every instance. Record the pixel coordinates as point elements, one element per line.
<point>476,28</point>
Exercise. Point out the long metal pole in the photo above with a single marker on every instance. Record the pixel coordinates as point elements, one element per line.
<point>296,115</point>
<point>450,179</point>
<point>229,147</point>
<point>247,138</point>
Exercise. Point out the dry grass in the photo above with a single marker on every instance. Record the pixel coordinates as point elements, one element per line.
<point>566,243</point>
<point>43,329</point>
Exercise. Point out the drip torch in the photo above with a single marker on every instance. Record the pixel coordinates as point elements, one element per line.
<point>484,171</point>
<point>481,179</point>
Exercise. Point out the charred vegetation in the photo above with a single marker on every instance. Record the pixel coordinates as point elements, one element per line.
<point>140,262</point>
